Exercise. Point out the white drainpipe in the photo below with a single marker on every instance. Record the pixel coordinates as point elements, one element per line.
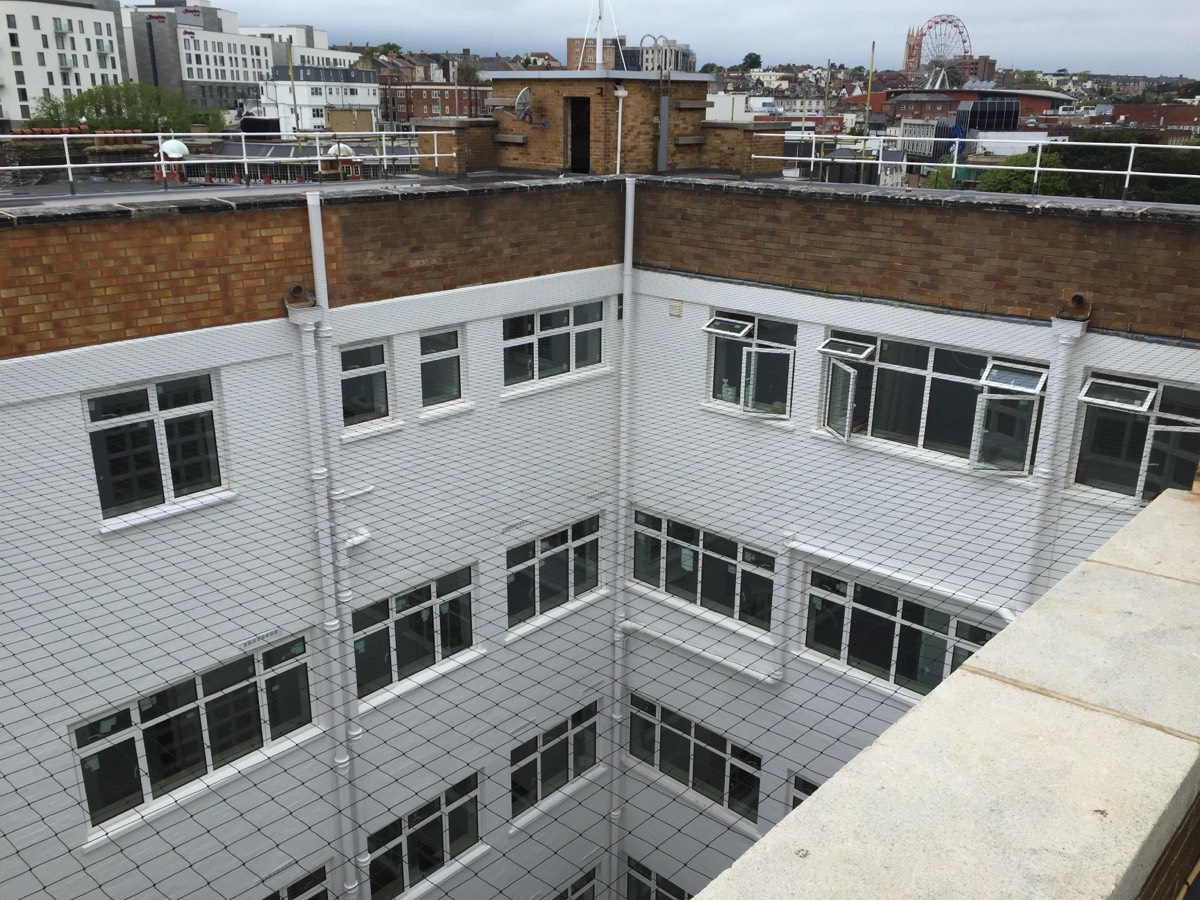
<point>620,93</point>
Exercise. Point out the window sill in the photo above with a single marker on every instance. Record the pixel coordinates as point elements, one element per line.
<point>699,801</point>
<point>696,611</point>
<point>1094,496</point>
<point>527,388</point>
<point>431,886</point>
<point>735,412</point>
<point>543,807</point>
<point>409,683</point>
<point>100,835</point>
<point>930,457</point>
<point>370,429</point>
<point>167,510</point>
<point>529,626</point>
<point>445,410</point>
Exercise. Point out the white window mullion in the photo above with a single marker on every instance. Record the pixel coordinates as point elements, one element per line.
<point>260,679</point>
<point>924,407</point>
<point>846,620</point>
<point>201,710</point>
<point>142,762</point>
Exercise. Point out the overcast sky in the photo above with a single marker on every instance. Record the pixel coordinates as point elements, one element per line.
<point>1150,37</point>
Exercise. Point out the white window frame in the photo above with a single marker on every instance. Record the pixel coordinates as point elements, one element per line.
<point>957,622</point>
<point>392,611</point>
<point>660,888</point>
<point>384,368</point>
<point>735,758</point>
<point>847,400</point>
<point>1151,394</point>
<point>800,788</point>
<point>123,724</point>
<point>399,832</point>
<point>434,356</point>
<point>578,889</point>
<point>542,332</point>
<point>738,328</point>
<point>534,555</point>
<point>314,884</point>
<point>158,419</point>
<point>572,733</point>
<point>704,546</point>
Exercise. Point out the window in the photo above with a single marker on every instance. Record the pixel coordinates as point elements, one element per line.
<point>41,61</point>
<point>402,635</point>
<point>154,444</point>
<point>364,384</point>
<point>183,732</point>
<point>312,886</point>
<point>752,363</point>
<point>802,789</point>
<point>1139,437</point>
<point>541,345</point>
<point>582,888</point>
<point>703,567</point>
<point>440,374</point>
<point>909,644</point>
<point>13,41</point>
<point>642,884</point>
<point>546,573</point>
<point>695,756</point>
<point>16,58</point>
<point>546,762</point>
<point>418,844</point>
<point>10,20</point>
<point>983,409</point>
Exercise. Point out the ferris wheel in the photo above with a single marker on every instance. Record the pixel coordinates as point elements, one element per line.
<point>940,43</point>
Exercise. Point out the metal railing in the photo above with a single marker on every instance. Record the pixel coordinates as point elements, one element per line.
<point>960,148</point>
<point>28,160</point>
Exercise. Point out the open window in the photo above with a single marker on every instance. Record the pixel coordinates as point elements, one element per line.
<point>751,363</point>
<point>766,381</point>
<point>1010,377</point>
<point>734,328</point>
<point>1005,427</point>
<point>1135,398</point>
<point>1172,457</point>
<point>847,349</point>
<point>839,404</point>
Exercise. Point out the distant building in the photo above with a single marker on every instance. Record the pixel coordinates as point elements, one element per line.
<point>305,45</point>
<point>976,68</point>
<point>581,53</point>
<point>309,98</point>
<point>669,55</point>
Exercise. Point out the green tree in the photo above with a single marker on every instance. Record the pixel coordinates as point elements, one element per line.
<point>125,106</point>
<point>1026,76</point>
<point>468,72</point>
<point>708,68</point>
<point>940,178</point>
<point>387,48</point>
<point>1009,181</point>
<point>751,61</point>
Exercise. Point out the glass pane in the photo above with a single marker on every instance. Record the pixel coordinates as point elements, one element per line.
<point>641,738</point>
<point>973,633</point>
<point>426,852</point>
<point>1177,401</point>
<point>802,789</point>
<point>722,546</point>
<point>585,527</point>
<point>558,319</point>
<point>636,889</point>
<point>647,521</point>
<point>554,540</point>
<point>174,752</point>
<point>163,702</point>
<point>759,559</point>
<point>587,567</point>
<point>839,405</point>
<point>709,773</point>
<point>554,355</point>
<point>518,327</point>
<point>1173,459</point>
<point>675,755</point>
<point>520,554</point>
<point>370,615</point>
<point>825,624</point>
<point>870,645</point>
<point>587,348</point>
<point>584,748</point>
<point>93,731</point>
<point>756,600</point>
<point>460,789</point>
<point>228,675</point>
<point>1014,378</point>
<point>414,642</point>
<point>586,313</point>
<point>288,701</point>
<point>719,586</point>
<point>234,727</point>
<point>184,392</point>
<point>647,558</point>
<point>777,332</point>
<point>733,327</point>
<point>885,603</point>
<point>364,397</point>
<point>898,400</point>
<point>1110,454</point>
<point>111,781</point>
<point>373,661</point>
<point>524,787</point>
<point>463,825</point>
<point>126,403</point>
<point>282,653</point>
<point>933,619</point>
<point>518,363</point>
<point>1133,396</point>
<point>192,449</point>
<point>920,660</point>
<point>682,576</point>
<point>727,370</point>
<point>520,595</point>
<point>387,874</point>
<point>448,584</point>
<point>362,357</point>
<point>555,766</point>
<point>829,583</point>
<point>956,362</point>
<point>899,353</point>
<point>768,382</point>
<point>439,343</point>
<point>455,622</point>
<point>127,471</point>
<point>440,381</point>
<point>1007,431</point>
<point>743,793</point>
<point>686,533</point>
<point>842,347</point>
<point>951,418</point>
<point>552,581</point>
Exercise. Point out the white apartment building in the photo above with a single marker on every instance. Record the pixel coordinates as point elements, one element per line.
<point>306,46</point>
<point>56,49</point>
<point>565,586</point>
<point>307,98</point>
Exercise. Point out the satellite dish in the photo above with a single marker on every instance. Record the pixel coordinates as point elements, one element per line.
<point>340,150</point>
<point>522,106</point>
<point>174,149</point>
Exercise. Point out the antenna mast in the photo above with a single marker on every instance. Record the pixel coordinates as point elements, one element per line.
<point>599,34</point>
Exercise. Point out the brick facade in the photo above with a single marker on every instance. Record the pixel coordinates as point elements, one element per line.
<point>472,141</point>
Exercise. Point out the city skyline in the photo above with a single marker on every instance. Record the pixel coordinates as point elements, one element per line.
<point>1072,35</point>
